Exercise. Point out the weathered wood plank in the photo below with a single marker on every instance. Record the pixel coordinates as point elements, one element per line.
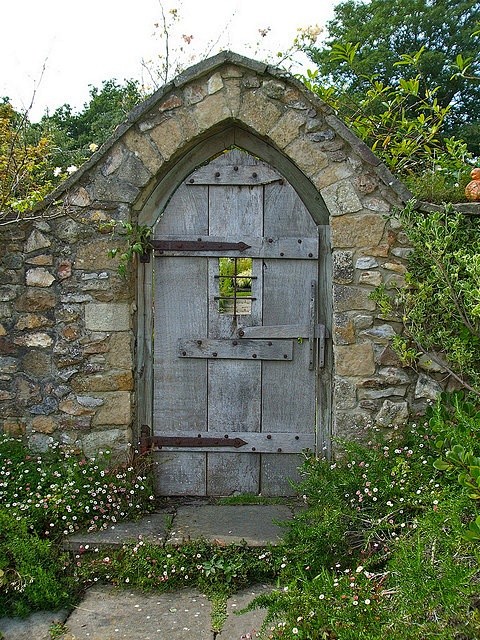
<point>234,386</point>
<point>295,248</point>
<point>232,473</point>
<point>233,395</point>
<point>264,442</point>
<point>278,472</point>
<point>180,473</point>
<point>289,388</point>
<point>285,213</point>
<point>294,331</point>
<point>181,312</point>
<point>233,174</point>
<point>235,209</point>
<point>235,349</point>
<point>186,213</point>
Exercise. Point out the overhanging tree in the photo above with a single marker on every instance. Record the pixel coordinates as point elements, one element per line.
<point>387,29</point>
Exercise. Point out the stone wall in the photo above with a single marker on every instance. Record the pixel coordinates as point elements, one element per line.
<point>66,345</point>
<point>67,319</point>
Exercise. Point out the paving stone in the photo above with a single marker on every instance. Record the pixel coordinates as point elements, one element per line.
<point>227,524</point>
<point>152,528</point>
<point>35,627</point>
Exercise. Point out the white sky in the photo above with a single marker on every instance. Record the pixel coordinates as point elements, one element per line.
<point>86,42</point>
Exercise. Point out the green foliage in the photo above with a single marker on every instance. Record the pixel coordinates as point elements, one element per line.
<point>401,122</point>
<point>57,630</point>
<point>24,165</point>
<point>138,244</point>
<point>392,561</point>
<point>61,491</point>
<point>442,300</point>
<point>384,30</point>
<point>214,569</point>
<point>32,574</point>
<point>455,421</point>
<point>77,135</point>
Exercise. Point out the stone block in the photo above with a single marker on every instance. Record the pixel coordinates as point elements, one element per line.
<point>354,360</point>
<point>116,409</point>
<point>194,93</point>
<point>332,174</point>
<point>35,299</point>
<point>352,425</point>
<point>215,83</point>
<point>370,278</point>
<point>381,334</point>
<point>120,354</point>
<point>79,197</point>
<point>32,321</point>
<point>8,293</point>
<point>93,255</point>
<point>274,89</point>
<point>113,160</point>
<point>39,340</point>
<point>39,277</point>
<point>14,427</point>
<point>343,329</point>
<point>8,365</point>
<point>349,298</point>
<point>36,241</point>
<point>392,414</point>
<point>427,388</point>
<point>233,95</point>
<point>357,230</point>
<point>133,171</point>
<point>172,102</point>
<point>210,111</point>
<point>37,363</point>
<point>114,440</point>
<point>43,424</point>
<point>108,381</point>
<point>345,394</point>
<point>287,128</point>
<point>73,408</point>
<point>142,147</point>
<point>341,198</point>
<point>101,316</point>
<point>366,262</point>
<point>170,135</point>
<point>258,112</point>
<point>5,310</point>
<point>342,267</point>
<point>307,156</point>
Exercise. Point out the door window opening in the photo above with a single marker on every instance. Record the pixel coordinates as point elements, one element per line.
<point>235,286</point>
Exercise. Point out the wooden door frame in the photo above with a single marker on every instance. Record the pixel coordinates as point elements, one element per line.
<point>203,151</point>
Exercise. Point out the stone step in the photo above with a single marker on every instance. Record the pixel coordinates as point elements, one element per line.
<point>255,525</point>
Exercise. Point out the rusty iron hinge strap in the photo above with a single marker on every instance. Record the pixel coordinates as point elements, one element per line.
<point>158,442</point>
<point>197,245</point>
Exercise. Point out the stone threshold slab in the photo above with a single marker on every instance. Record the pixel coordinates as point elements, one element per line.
<point>254,525</point>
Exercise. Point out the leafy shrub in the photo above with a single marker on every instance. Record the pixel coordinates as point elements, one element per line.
<point>32,573</point>
<point>60,491</point>
<point>441,302</point>
<point>212,568</point>
<point>380,550</point>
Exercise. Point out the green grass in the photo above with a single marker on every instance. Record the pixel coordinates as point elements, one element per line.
<point>378,551</point>
<point>250,498</point>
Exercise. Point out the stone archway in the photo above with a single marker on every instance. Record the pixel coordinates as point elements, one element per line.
<point>222,102</point>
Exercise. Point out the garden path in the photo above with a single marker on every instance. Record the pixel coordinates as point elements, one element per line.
<point>106,613</point>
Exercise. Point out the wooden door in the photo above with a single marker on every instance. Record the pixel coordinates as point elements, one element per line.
<point>235,355</point>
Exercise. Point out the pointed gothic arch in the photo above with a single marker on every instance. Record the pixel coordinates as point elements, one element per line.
<point>225,102</point>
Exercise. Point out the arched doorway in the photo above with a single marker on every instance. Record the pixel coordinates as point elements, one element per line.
<point>239,356</point>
